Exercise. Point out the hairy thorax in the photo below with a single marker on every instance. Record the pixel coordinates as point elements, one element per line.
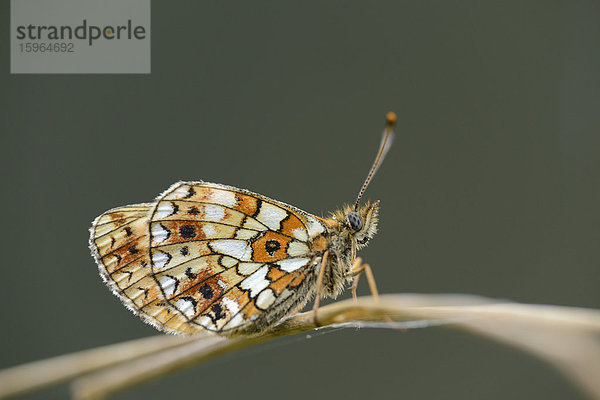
<point>343,241</point>
<point>340,260</point>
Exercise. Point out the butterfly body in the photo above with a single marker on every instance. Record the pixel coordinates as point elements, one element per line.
<point>343,241</point>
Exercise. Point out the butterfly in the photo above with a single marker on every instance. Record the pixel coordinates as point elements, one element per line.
<point>210,257</point>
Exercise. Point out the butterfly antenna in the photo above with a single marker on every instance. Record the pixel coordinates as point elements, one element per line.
<point>386,142</point>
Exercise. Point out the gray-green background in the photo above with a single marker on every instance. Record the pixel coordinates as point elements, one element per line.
<point>492,185</point>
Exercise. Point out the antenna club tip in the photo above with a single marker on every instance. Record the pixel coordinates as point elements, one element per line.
<point>391,118</point>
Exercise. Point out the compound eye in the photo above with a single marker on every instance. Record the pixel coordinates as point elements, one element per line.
<point>354,220</point>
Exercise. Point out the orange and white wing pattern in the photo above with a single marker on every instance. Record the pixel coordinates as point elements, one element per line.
<point>119,243</point>
<point>215,258</point>
<point>227,259</point>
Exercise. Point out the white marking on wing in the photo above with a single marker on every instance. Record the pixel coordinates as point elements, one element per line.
<point>292,264</point>
<point>213,212</point>
<point>231,305</point>
<point>209,230</point>
<point>265,299</point>
<point>186,307</point>
<point>271,215</point>
<point>160,258</point>
<point>159,233</point>
<point>222,284</point>
<point>164,209</point>
<point>296,249</point>
<point>315,227</point>
<point>300,234</point>
<point>168,284</point>
<point>235,248</point>
<point>256,282</point>
<point>224,197</point>
<point>181,191</point>
<point>237,320</point>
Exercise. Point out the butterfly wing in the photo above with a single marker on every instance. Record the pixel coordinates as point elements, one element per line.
<point>119,241</point>
<point>225,258</point>
<point>216,258</point>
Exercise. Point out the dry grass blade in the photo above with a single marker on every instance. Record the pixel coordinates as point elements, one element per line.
<point>566,337</point>
<point>561,335</point>
<point>39,374</point>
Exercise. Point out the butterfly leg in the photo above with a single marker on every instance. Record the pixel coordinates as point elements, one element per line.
<point>320,287</point>
<point>355,272</point>
<point>356,265</point>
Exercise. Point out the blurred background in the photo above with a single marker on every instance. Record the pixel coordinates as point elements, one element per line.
<point>491,187</point>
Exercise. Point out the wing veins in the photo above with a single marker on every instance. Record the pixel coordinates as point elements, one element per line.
<point>214,204</point>
<point>289,211</point>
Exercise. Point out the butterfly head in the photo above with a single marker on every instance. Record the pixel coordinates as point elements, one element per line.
<point>360,223</point>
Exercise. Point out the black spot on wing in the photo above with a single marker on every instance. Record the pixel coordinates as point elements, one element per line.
<point>206,291</point>
<point>271,246</point>
<point>190,274</point>
<point>190,193</point>
<point>218,310</point>
<point>187,231</point>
